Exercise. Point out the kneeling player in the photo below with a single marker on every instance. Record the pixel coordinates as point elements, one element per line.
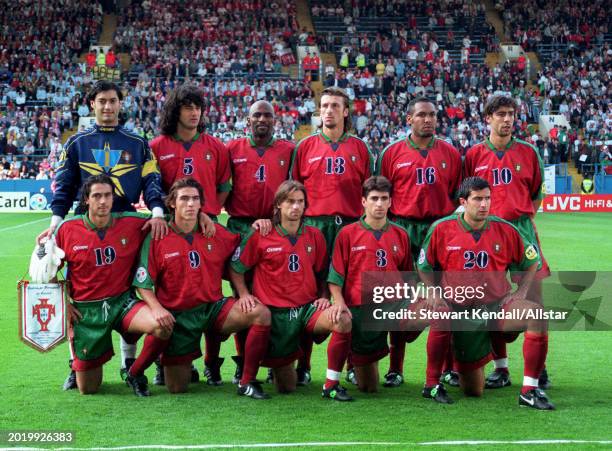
<point>185,269</point>
<point>289,277</point>
<point>101,252</point>
<point>371,244</point>
<point>477,246</point>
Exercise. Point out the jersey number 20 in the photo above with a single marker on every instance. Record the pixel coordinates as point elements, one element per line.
<point>480,259</point>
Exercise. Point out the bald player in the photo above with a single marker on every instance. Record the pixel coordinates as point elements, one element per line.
<point>259,163</point>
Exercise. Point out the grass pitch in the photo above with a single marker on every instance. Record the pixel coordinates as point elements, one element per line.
<point>578,362</point>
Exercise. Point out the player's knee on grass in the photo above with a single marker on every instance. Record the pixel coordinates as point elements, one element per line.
<point>285,378</point>
<point>344,324</point>
<point>472,382</point>
<point>89,381</point>
<point>177,378</point>
<point>367,378</point>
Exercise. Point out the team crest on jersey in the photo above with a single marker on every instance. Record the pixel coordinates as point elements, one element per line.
<point>209,247</point>
<point>124,241</point>
<point>353,158</point>
<point>497,247</point>
<point>444,165</point>
<point>395,249</point>
<point>141,274</point>
<point>208,157</point>
<point>531,253</point>
<point>421,257</point>
<point>518,167</point>
<point>282,163</point>
<point>309,249</point>
<point>126,157</point>
<point>108,161</point>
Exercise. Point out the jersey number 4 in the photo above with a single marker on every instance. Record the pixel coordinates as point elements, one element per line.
<point>260,174</point>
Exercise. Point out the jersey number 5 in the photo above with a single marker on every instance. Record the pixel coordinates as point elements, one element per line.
<point>188,166</point>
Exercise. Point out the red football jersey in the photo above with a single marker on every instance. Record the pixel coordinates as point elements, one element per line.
<point>101,262</point>
<point>359,248</point>
<point>424,180</point>
<point>256,175</point>
<point>516,175</point>
<point>185,268</point>
<point>474,258</point>
<point>286,268</point>
<point>205,159</point>
<point>333,173</point>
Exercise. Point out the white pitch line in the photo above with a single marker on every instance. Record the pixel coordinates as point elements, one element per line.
<point>326,444</point>
<point>24,224</point>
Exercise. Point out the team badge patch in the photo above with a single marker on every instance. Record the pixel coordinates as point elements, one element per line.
<point>497,247</point>
<point>421,257</point>
<point>208,157</point>
<point>236,255</point>
<point>141,274</point>
<point>444,165</point>
<point>353,158</point>
<point>282,162</point>
<point>531,252</point>
<point>124,241</point>
<point>309,249</point>
<point>125,156</point>
<point>518,167</point>
<point>395,249</point>
<point>209,246</point>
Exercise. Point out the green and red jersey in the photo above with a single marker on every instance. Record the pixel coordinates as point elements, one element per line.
<point>359,248</point>
<point>101,262</point>
<point>205,158</point>
<point>470,257</point>
<point>516,176</point>
<point>185,268</point>
<point>286,268</point>
<point>256,175</point>
<point>424,180</point>
<point>333,173</point>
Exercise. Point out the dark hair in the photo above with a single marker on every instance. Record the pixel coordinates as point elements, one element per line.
<point>376,183</point>
<point>184,95</point>
<point>187,182</point>
<point>282,193</point>
<point>92,180</point>
<point>497,102</point>
<point>101,86</point>
<point>416,100</point>
<point>471,184</point>
<point>339,92</point>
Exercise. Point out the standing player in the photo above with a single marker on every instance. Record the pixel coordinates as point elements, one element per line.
<point>475,247</point>
<point>425,173</point>
<point>184,150</point>
<point>259,164</point>
<point>372,244</point>
<point>101,251</point>
<point>185,269</point>
<point>108,149</point>
<point>294,256</point>
<point>332,165</point>
<point>515,172</point>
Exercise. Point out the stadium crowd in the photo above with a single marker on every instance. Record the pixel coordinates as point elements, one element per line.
<point>216,38</point>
